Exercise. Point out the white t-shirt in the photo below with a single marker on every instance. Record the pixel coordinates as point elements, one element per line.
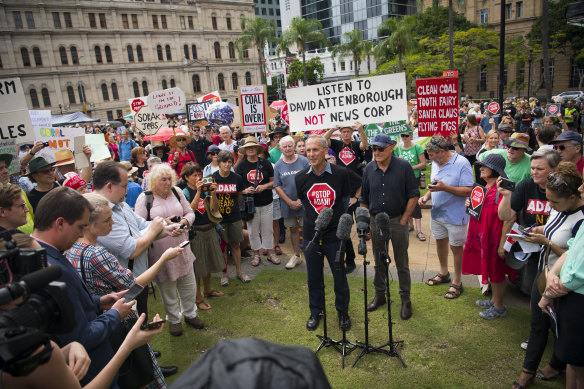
<point>560,228</point>
<point>223,146</point>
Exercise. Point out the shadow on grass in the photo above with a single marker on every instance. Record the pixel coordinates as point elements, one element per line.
<point>446,343</point>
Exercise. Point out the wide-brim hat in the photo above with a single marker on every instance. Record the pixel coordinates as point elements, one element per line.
<point>516,258</point>
<point>64,157</point>
<point>251,141</point>
<point>7,158</point>
<point>179,134</point>
<point>159,144</point>
<point>519,140</point>
<point>131,169</point>
<point>278,130</point>
<point>214,216</point>
<point>212,148</point>
<point>38,163</point>
<point>494,162</point>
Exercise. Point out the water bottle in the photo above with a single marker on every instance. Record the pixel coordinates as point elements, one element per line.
<point>422,180</point>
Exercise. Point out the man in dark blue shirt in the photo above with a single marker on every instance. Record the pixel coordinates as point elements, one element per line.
<point>390,186</point>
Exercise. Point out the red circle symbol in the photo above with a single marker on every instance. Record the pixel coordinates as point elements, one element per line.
<point>137,104</point>
<point>553,109</point>
<point>494,107</point>
<point>321,196</point>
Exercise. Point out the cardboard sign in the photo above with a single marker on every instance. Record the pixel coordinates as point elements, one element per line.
<point>213,97</point>
<point>166,101</point>
<point>196,111</point>
<point>80,158</point>
<point>254,108</point>
<point>552,110</point>
<point>58,138</point>
<point>148,122</point>
<point>493,107</point>
<point>9,147</point>
<point>137,102</point>
<point>477,199</point>
<point>367,100</point>
<point>15,124</point>
<point>40,118</point>
<point>437,105</point>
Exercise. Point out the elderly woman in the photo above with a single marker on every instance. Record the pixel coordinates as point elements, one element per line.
<point>258,180</point>
<point>290,206</point>
<point>566,215</point>
<point>176,276</point>
<point>139,156</point>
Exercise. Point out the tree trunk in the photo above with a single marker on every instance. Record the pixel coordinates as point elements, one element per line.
<point>450,34</point>
<point>304,67</point>
<point>545,55</point>
<point>399,61</point>
<point>355,59</point>
<point>262,66</point>
<point>368,64</point>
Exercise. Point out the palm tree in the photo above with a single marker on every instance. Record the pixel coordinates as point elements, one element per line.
<point>400,37</point>
<point>256,32</point>
<point>299,33</point>
<point>353,45</point>
<point>368,52</point>
<point>545,54</point>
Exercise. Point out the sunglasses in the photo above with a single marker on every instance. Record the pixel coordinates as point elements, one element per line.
<point>560,147</point>
<point>196,129</point>
<point>405,135</point>
<point>376,149</point>
<point>555,181</point>
<point>506,132</point>
<point>181,139</point>
<point>45,171</point>
<point>214,152</point>
<point>515,148</point>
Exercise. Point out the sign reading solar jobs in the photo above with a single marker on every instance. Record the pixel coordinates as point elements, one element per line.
<point>367,100</point>
<point>437,105</point>
<point>254,108</point>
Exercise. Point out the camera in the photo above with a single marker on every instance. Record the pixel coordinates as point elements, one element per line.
<point>175,219</point>
<point>45,144</point>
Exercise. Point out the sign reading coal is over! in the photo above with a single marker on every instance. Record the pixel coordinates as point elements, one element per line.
<point>437,105</point>
<point>367,100</point>
<point>254,108</point>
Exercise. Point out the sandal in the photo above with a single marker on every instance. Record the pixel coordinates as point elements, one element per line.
<point>484,304</point>
<point>213,293</point>
<point>493,313</point>
<point>203,305</point>
<point>451,295</point>
<point>438,279</point>
<point>275,260</point>
<point>540,375</point>
<point>421,237</point>
<point>256,260</point>
<point>224,280</point>
<point>278,250</point>
<point>530,374</point>
<point>243,278</point>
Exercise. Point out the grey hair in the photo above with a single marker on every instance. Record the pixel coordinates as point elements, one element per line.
<point>552,157</point>
<point>225,128</point>
<point>323,141</point>
<point>574,143</point>
<point>287,139</point>
<point>154,160</point>
<point>157,172</point>
<point>437,143</point>
<point>99,202</point>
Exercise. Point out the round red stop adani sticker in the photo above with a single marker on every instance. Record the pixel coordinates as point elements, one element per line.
<point>321,196</point>
<point>477,196</point>
<point>494,107</point>
<point>137,104</point>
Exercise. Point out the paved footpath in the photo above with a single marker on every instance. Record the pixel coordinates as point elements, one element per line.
<point>424,263</point>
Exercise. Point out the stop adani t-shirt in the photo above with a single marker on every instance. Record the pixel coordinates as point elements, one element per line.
<point>227,190</point>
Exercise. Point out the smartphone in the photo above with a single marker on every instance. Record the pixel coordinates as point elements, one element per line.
<point>184,244</point>
<point>133,292</point>
<point>507,184</point>
<point>207,182</point>
<point>152,326</point>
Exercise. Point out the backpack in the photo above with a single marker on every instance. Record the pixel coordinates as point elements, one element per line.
<point>537,112</point>
<point>150,200</point>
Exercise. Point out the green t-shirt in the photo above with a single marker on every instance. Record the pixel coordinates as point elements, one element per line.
<point>516,172</point>
<point>275,155</point>
<point>411,155</point>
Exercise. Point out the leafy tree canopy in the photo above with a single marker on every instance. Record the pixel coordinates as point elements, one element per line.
<point>433,22</point>
<point>314,71</point>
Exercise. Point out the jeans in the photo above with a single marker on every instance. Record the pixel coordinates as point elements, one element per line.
<point>314,267</point>
<point>186,286</point>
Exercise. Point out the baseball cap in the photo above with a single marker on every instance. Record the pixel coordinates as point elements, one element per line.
<point>568,136</point>
<point>382,140</point>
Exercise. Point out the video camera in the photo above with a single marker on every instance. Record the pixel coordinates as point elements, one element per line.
<point>43,305</point>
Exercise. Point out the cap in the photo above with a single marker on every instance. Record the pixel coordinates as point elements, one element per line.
<point>568,136</point>
<point>73,181</point>
<point>519,140</point>
<point>382,140</point>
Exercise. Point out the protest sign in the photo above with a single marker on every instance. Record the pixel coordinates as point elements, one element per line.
<point>98,145</point>
<point>15,124</point>
<point>437,105</point>
<point>450,73</point>
<point>148,122</point>
<point>40,118</point>
<point>389,128</point>
<point>552,110</point>
<point>213,97</point>
<point>196,111</point>
<point>367,100</point>
<point>81,161</point>
<point>58,138</point>
<point>493,107</point>
<point>282,107</point>
<point>166,101</point>
<point>9,147</point>
<point>137,102</point>
<point>254,108</point>
<point>477,199</point>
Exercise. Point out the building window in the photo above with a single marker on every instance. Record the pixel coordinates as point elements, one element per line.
<point>139,53</point>
<point>221,81</point>
<point>145,88</point>
<point>194,51</point>
<point>231,50</point>
<point>191,24</point>
<point>46,97</point>
<point>108,54</point>
<point>247,78</point>
<point>234,81</point>
<point>102,21</point>
<point>155,21</point>
<point>36,53</point>
<point>172,83</point>
<point>81,91</point>
<point>508,11</point>
<point>25,56</point>
<point>135,21</point>
<point>104,92</point>
<point>551,73</point>
<point>71,94</point>
<point>115,94</point>
<point>92,22</point>
<point>29,19</point>
<point>168,53</point>
<point>163,22</point>
<point>34,98</point>
<point>217,49</point>
<point>125,22</point>
<point>130,53</point>
<point>110,115</point>
<point>484,16</point>
<point>228,22</point>
<point>119,113</point>
<point>164,84</point>
<point>68,20</point>
<point>342,66</point>
<point>483,79</point>
<point>74,56</point>
<point>63,55</point>
<point>245,54</point>
<point>196,83</point>
<point>56,20</point>
<point>136,89</point>
<point>574,75</point>
<point>271,11</point>
<point>519,9</point>
<point>98,58</point>
<point>183,24</point>
<point>159,53</point>
<point>17,20</point>
<point>214,22</point>
<point>186,50</point>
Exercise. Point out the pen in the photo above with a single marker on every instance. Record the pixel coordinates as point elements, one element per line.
<point>529,229</point>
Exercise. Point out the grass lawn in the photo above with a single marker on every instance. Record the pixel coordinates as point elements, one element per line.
<point>446,343</point>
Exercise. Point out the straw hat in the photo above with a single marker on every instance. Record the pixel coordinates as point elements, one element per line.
<point>214,217</point>
<point>131,169</point>
<point>251,141</point>
<point>64,157</point>
<point>179,134</point>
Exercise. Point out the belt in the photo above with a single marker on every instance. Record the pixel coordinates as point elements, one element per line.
<point>204,227</point>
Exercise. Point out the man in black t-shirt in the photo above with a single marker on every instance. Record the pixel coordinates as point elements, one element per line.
<point>318,186</point>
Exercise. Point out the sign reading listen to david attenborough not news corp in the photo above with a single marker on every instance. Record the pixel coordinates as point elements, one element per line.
<point>367,100</point>
<point>437,105</point>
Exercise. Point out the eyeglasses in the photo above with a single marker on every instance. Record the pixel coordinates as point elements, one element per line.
<point>45,171</point>
<point>196,129</point>
<point>181,139</point>
<point>555,180</point>
<point>515,148</point>
<point>560,147</point>
<point>214,152</point>
<point>506,132</point>
<point>405,135</point>
<point>376,149</point>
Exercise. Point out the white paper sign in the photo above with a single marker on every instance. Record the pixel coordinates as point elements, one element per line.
<point>253,108</point>
<point>40,118</point>
<point>15,122</point>
<point>367,100</point>
<point>81,161</point>
<point>58,138</point>
<point>98,145</point>
<point>137,102</point>
<point>166,101</point>
<point>149,122</point>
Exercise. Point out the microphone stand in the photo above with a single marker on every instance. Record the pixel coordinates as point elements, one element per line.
<point>325,340</point>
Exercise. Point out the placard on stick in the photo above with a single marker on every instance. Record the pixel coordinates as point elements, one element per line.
<point>254,108</point>
<point>196,111</point>
<point>148,122</point>
<point>477,199</point>
<point>552,110</point>
<point>166,101</point>
<point>437,105</point>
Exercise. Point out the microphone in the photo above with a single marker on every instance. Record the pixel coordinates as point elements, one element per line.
<point>343,234</point>
<point>362,218</point>
<point>322,221</point>
<point>384,233</point>
<point>29,283</point>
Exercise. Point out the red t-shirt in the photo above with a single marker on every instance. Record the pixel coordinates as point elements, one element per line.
<point>182,160</point>
<point>580,165</point>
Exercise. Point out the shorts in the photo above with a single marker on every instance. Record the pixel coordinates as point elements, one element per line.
<point>292,221</point>
<point>277,213</point>
<point>456,234</point>
<point>417,213</point>
<point>233,232</point>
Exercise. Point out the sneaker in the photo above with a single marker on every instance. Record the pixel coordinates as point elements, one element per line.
<point>176,329</point>
<point>294,260</point>
<point>195,322</point>
<point>524,345</point>
<point>484,304</point>
<point>493,313</point>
